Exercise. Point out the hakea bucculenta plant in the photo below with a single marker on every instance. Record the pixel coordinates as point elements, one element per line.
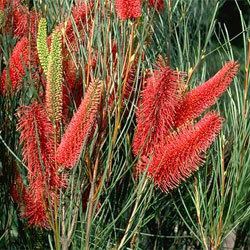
<point>169,145</point>
<point>23,56</point>
<point>177,156</point>
<point>36,137</point>
<point>43,156</point>
<point>67,76</point>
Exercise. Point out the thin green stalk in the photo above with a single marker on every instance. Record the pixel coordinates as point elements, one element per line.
<point>246,82</point>
<point>91,203</point>
<point>198,211</point>
<point>132,217</point>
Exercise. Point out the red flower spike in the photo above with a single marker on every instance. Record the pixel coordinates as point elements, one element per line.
<point>202,97</point>
<point>18,62</point>
<point>128,9</point>
<point>157,4</point>
<point>79,127</point>
<point>38,144</point>
<point>155,116</point>
<point>176,158</point>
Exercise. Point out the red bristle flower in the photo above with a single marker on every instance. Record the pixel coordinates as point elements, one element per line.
<point>25,22</point>
<point>18,62</point>
<point>202,97</point>
<point>157,109</point>
<point>176,158</point>
<point>128,9</point>
<point>79,127</point>
<point>20,20</point>
<point>157,4</point>
<point>36,203</point>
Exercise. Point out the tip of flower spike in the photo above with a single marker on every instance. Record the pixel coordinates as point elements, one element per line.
<point>196,101</point>
<point>232,67</point>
